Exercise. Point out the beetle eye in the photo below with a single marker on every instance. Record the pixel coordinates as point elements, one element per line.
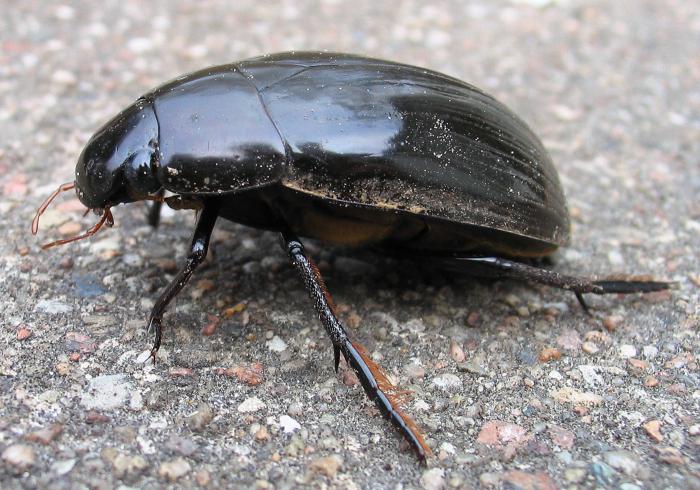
<point>139,173</point>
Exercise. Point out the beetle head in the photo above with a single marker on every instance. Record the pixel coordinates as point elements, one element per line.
<point>119,163</point>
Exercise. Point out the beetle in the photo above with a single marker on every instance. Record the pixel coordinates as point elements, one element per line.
<point>348,150</point>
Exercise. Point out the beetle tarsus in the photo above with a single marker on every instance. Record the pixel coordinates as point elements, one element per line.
<point>373,379</point>
<point>632,285</point>
<point>582,302</point>
<point>336,358</point>
<point>198,252</point>
<point>500,267</point>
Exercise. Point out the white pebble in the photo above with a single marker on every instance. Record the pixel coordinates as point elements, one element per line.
<point>252,404</point>
<point>650,352</point>
<point>627,350</point>
<point>277,344</point>
<point>433,479</point>
<point>288,424</point>
<point>64,77</point>
<point>447,381</point>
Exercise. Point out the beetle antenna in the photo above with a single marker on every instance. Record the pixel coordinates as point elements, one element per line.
<point>61,188</point>
<point>106,218</point>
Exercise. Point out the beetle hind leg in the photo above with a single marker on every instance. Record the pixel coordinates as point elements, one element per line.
<point>499,267</point>
<point>373,379</point>
<point>197,254</point>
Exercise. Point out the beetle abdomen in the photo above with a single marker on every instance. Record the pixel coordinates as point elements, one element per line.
<point>397,137</point>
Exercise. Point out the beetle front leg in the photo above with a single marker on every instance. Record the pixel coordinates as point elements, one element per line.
<point>373,379</point>
<point>198,252</point>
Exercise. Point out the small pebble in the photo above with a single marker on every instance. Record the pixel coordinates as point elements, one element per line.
<point>549,354</point>
<point>252,404</point>
<point>456,351</point>
<point>202,477</point>
<point>20,456</point>
<point>589,348</point>
<point>181,445</point>
<point>126,465</point>
<point>448,382</point>
<point>649,351</point>
<point>638,364</point>
<point>201,418</point>
<point>64,77</point>
<point>63,467</point>
<point>433,479</point>
<point>210,327</point>
<point>251,374</point>
<point>653,428</point>
<point>174,469</point>
<point>489,480</point>
<point>295,409</point>
<point>262,434</point>
<point>288,424</point>
<point>569,340</point>
<point>610,323</point>
<point>602,473</point>
<point>671,456</point>
<point>522,311</point>
<point>562,437</point>
<point>575,475</point>
<point>651,382</point>
<point>45,436</point>
<point>523,480</point>
<point>276,344</point>
<point>327,466</point>
<point>499,433</point>
<point>23,333</point>
<point>349,378</point>
<point>415,372</point>
<point>570,395</point>
<point>677,389</point>
<point>66,263</point>
<point>627,351</point>
<point>624,461</point>
<point>629,486</point>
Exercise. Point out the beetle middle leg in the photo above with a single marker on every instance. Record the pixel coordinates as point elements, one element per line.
<point>500,267</point>
<point>154,210</point>
<point>373,379</point>
<point>198,252</point>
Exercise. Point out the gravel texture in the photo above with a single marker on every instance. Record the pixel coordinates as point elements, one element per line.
<point>514,386</point>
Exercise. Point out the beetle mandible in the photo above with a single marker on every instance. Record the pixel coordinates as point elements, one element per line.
<point>348,150</point>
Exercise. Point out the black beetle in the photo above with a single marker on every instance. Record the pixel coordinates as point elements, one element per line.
<point>348,150</point>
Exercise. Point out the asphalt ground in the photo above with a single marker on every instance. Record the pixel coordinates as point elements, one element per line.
<point>514,385</point>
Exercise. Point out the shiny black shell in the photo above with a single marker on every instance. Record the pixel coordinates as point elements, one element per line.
<point>360,151</point>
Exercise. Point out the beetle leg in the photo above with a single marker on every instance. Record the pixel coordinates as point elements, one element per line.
<point>375,383</point>
<point>582,302</point>
<point>154,210</point>
<point>578,285</point>
<point>198,251</point>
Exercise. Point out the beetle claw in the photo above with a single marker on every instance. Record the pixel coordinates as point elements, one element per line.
<point>336,355</point>
<point>582,302</point>
<point>154,352</point>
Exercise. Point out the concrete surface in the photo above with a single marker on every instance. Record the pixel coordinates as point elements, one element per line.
<point>514,386</point>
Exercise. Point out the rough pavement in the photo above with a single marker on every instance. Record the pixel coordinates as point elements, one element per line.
<point>513,385</point>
